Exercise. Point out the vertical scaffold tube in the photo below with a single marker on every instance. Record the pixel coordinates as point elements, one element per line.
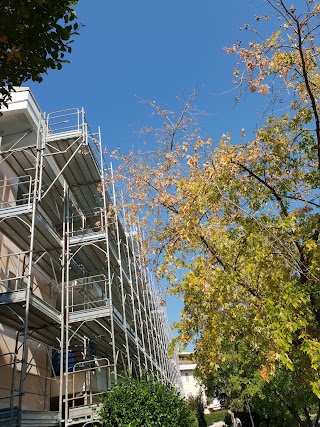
<point>106,230</point>
<point>66,317</point>
<point>136,282</point>
<point>39,149</point>
<point>63,290</point>
<point>123,296</point>
<point>129,256</point>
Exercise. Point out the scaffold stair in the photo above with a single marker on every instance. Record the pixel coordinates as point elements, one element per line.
<point>39,419</point>
<point>9,417</point>
<point>83,414</point>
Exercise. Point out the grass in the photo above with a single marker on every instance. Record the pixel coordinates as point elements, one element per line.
<point>215,416</point>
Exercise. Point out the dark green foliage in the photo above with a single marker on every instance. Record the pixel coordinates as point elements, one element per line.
<point>227,419</point>
<point>145,403</point>
<point>197,406</point>
<point>34,37</point>
<point>281,399</point>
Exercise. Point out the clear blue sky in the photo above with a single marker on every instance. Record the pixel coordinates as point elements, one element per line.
<point>154,50</point>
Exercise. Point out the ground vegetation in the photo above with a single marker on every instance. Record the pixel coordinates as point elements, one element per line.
<point>145,402</point>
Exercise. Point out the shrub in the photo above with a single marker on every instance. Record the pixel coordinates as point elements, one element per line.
<point>144,403</point>
<point>195,403</point>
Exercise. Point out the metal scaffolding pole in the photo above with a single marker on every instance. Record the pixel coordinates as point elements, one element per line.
<point>136,282</point>
<point>63,292</point>
<point>67,307</point>
<point>129,256</point>
<point>123,296</point>
<point>39,147</point>
<point>151,325</point>
<point>106,230</point>
<point>156,335</point>
<point>144,284</point>
<point>163,348</point>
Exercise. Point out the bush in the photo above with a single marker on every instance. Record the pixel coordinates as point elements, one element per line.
<point>144,403</point>
<point>195,403</point>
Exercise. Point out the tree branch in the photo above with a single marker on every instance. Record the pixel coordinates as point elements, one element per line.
<point>283,208</point>
<point>306,77</point>
<point>291,409</point>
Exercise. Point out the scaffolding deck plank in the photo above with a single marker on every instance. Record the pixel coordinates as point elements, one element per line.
<point>36,304</point>
<point>90,314</point>
<point>86,237</point>
<point>15,210</point>
<point>64,135</point>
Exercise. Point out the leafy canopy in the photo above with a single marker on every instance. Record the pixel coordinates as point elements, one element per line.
<point>236,224</point>
<point>35,35</point>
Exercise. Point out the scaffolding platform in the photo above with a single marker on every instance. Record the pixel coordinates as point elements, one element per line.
<point>44,320</point>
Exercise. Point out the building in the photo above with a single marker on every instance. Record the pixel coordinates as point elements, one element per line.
<point>190,385</point>
<point>78,308</point>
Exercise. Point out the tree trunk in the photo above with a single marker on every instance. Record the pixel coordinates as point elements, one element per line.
<point>290,408</point>
<point>308,419</point>
<point>318,415</point>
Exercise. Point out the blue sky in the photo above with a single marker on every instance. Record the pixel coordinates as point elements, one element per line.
<point>152,50</point>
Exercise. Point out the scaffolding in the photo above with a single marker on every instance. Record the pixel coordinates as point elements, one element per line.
<point>78,307</point>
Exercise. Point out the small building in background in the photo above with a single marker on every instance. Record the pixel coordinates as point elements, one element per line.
<point>190,385</point>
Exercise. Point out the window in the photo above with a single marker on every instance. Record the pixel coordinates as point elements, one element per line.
<point>11,282</point>
<point>187,377</point>
<point>22,189</point>
<point>22,194</point>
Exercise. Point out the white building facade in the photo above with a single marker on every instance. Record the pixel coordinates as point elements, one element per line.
<point>191,386</point>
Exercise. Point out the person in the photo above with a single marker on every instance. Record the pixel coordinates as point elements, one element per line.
<point>233,418</point>
<point>238,422</point>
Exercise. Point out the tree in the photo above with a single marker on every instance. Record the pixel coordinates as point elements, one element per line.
<point>281,399</point>
<point>143,402</point>
<point>35,36</point>
<point>240,222</point>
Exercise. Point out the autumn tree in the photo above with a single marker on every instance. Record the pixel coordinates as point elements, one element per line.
<point>235,225</point>
<point>35,35</point>
<point>282,399</point>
